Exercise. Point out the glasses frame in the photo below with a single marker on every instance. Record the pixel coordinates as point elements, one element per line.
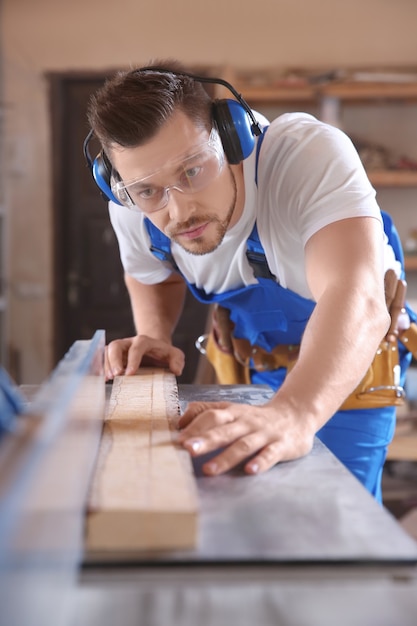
<point>120,188</point>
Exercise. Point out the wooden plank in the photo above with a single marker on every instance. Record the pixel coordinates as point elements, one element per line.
<point>144,494</point>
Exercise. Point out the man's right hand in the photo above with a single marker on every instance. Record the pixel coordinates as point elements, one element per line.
<point>125,356</point>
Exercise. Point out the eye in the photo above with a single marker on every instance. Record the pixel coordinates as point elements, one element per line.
<point>190,174</point>
<point>149,192</point>
<point>144,193</point>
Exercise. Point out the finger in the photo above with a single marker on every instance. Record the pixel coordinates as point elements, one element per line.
<point>219,437</point>
<point>242,449</point>
<point>276,452</point>
<point>194,409</point>
<point>262,456</point>
<point>268,457</point>
<point>116,356</point>
<point>146,346</point>
<point>161,353</point>
<point>135,356</point>
<point>176,361</point>
<point>108,373</point>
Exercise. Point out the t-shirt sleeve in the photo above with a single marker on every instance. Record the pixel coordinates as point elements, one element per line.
<point>323,179</point>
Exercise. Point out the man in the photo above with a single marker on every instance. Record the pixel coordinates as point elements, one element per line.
<point>184,204</point>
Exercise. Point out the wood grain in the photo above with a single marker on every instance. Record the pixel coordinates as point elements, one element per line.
<point>143,496</point>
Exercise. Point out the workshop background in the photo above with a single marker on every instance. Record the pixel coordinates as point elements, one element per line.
<point>44,42</point>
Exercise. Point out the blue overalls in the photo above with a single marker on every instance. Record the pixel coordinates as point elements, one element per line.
<point>268,315</point>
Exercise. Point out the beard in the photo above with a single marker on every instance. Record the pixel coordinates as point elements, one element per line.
<point>202,245</point>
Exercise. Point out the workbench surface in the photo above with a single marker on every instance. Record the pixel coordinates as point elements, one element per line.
<point>311,510</point>
<point>303,544</point>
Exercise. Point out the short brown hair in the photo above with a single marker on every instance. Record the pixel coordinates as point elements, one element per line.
<point>133,105</point>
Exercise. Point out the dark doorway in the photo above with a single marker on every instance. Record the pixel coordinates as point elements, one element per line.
<point>90,293</point>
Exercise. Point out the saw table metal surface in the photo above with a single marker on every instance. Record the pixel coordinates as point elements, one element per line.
<point>301,545</point>
<point>311,510</point>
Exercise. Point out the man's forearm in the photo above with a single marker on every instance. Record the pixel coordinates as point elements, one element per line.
<point>345,271</point>
<point>335,354</point>
<point>156,308</point>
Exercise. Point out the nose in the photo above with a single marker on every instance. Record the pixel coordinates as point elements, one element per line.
<point>178,205</point>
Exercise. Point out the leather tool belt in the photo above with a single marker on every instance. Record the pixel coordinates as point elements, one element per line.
<point>233,358</point>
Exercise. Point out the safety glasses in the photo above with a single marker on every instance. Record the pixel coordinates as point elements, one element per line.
<point>189,175</point>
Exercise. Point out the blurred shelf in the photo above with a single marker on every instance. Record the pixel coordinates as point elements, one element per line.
<point>363,90</point>
<point>393,178</point>
<point>348,91</point>
<point>370,87</point>
<point>410,262</point>
<point>277,94</point>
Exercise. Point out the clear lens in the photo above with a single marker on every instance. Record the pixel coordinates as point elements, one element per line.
<point>191,175</point>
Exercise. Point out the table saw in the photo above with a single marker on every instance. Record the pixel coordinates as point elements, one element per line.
<point>303,544</point>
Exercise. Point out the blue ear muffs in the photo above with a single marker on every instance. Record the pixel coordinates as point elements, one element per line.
<point>102,173</point>
<point>101,170</point>
<point>235,129</point>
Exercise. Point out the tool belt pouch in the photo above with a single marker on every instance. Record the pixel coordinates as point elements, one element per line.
<point>408,338</point>
<point>232,358</point>
<point>219,351</point>
<point>381,384</point>
<point>229,357</point>
<point>228,371</point>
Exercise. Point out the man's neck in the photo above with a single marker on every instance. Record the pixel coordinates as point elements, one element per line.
<point>237,172</point>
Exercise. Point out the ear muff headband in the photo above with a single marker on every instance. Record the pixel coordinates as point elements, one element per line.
<point>234,120</point>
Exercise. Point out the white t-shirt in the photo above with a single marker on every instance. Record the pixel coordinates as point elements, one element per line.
<point>309,175</point>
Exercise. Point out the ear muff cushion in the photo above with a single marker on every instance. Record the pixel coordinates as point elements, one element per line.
<point>234,126</point>
<point>102,175</point>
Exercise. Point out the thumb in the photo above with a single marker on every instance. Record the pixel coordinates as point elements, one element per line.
<point>196,408</point>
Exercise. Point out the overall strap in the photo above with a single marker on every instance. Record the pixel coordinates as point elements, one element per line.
<point>160,244</point>
<point>393,238</point>
<point>256,256</point>
<point>254,250</point>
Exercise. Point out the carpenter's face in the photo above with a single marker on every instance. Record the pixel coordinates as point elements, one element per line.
<point>181,180</point>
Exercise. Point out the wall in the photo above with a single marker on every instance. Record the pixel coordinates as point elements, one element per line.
<point>43,35</point>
